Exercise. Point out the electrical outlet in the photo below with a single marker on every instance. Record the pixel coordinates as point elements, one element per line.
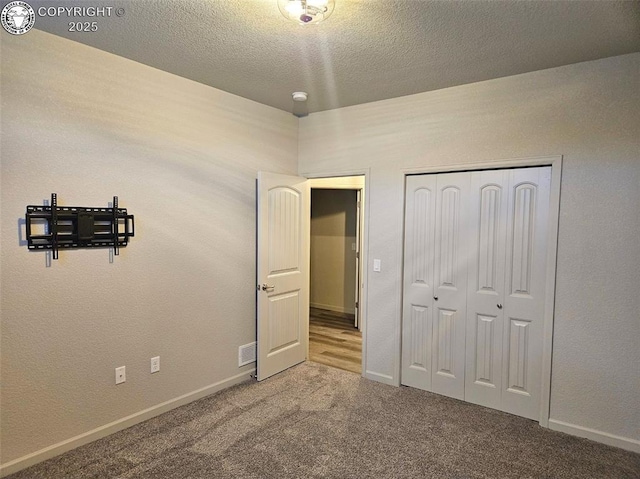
<point>121,375</point>
<point>155,364</point>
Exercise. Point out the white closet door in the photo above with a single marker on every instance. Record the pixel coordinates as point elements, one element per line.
<point>488,204</point>
<point>474,285</point>
<point>526,259</point>
<point>506,288</point>
<point>450,281</point>
<point>417,307</point>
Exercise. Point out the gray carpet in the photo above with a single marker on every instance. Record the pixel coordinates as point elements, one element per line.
<point>316,421</point>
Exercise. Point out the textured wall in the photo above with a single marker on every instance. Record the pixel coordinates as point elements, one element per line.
<point>590,114</point>
<point>182,157</point>
<point>333,261</point>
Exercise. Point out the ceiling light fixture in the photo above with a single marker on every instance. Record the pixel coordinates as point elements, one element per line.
<point>306,12</point>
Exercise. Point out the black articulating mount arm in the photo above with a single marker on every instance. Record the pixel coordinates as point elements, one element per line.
<point>78,227</point>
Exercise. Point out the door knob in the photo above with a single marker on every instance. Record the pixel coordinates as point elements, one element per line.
<point>436,298</point>
<point>267,288</point>
<point>499,306</point>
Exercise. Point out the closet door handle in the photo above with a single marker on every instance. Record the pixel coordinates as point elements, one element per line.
<point>436,298</point>
<point>499,306</point>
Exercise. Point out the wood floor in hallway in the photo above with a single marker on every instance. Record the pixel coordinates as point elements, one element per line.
<point>334,341</point>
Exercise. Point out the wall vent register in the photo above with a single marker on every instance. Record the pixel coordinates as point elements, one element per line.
<point>62,227</point>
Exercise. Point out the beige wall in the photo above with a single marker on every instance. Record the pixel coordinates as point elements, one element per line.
<point>183,158</point>
<point>333,261</point>
<point>590,114</point>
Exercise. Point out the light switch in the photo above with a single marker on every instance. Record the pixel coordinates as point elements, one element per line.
<point>376,265</point>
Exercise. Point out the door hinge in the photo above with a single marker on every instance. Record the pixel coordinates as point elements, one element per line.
<point>357,254</point>
<point>357,305</point>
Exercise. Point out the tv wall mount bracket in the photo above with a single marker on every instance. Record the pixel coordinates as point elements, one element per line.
<point>66,227</point>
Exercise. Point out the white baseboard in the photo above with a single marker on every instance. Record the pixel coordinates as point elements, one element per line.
<point>330,307</point>
<point>115,426</point>
<point>595,435</point>
<point>381,378</point>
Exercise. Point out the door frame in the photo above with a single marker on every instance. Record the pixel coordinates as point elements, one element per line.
<point>339,180</point>
<point>350,183</point>
<point>555,162</point>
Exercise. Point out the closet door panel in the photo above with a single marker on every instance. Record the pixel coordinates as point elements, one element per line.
<point>474,284</point>
<point>485,294</point>
<point>527,227</point>
<point>450,275</point>
<point>417,308</point>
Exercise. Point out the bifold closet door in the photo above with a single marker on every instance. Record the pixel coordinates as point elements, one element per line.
<point>417,302</point>
<point>525,281</point>
<point>450,284</point>
<point>506,288</point>
<point>474,286</point>
<point>435,279</point>
<point>488,204</point>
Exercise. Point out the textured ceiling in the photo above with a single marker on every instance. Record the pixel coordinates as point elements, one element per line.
<point>367,50</point>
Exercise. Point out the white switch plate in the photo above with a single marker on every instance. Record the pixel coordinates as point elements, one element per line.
<point>376,265</point>
<point>121,375</point>
<point>155,364</point>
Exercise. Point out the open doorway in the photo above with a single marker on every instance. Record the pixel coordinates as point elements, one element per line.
<point>335,322</point>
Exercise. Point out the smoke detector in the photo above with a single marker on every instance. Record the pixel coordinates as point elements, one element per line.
<point>299,96</point>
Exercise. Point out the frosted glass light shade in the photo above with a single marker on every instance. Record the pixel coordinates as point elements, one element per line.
<point>306,12</point>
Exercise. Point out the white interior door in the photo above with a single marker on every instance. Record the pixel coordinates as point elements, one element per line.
<point>435,283</point>
<point>417,303</point>
<point>506,288</point>
<point>488,204</point>
<point>474,286</point>
<point>450,284</point>
<point>283,272</point>
<point>527,227</point>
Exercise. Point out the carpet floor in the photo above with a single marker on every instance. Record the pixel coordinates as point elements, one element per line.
<point>313,421</point>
